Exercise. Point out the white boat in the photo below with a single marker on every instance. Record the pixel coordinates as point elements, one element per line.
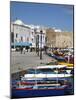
<point>38,76</point>
<point>51,66</point>
<point>49,71</point>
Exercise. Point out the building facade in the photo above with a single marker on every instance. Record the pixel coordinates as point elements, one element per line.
<point>51,37</point>
<point>38,37</point>
<point>59,39</point>
<point>25,35</point>
<point>64,40</point>
<point>20,34</point>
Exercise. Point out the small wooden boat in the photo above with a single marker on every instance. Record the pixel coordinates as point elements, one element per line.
<point>57,53</point>
<point>57,57</point>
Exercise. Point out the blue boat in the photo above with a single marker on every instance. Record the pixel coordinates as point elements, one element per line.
<point>22,93</point>
<point>45,88</point>
<point>41,83</point>
<point>59,58</point>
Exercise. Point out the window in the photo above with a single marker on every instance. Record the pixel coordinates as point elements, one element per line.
<point>32,39</point>
<point>32,33</point>
<point>43,37</point>
<point>12,37</point>
<point>21,38</point>
<point>46,39</point>
<point>16,35</point>
<point>27,39</point>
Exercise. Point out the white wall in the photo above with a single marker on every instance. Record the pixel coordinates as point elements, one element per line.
<point>21,32</point>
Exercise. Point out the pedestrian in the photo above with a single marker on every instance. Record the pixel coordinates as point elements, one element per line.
<point>27,48</point>
<point>30,49</point>
<point>24,50</point>
<point>21,49</point>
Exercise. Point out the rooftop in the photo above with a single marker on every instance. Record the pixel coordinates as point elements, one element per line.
<point>18,22</point>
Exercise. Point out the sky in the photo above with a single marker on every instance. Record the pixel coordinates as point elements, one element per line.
<point>48,15</point>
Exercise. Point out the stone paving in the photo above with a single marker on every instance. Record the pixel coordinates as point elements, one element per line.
<point>29,59</point>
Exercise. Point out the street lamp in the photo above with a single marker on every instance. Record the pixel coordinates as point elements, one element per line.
<point>37,44</point>
<point>41,44</point>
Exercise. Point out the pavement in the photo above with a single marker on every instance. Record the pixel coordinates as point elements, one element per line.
<point>23,61</point>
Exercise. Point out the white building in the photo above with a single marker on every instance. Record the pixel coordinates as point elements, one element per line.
<point>26,35</point>
<point>20,34</point>
<point>40,33</point>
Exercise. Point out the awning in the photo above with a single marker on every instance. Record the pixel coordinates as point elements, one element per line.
<point>21,44</point>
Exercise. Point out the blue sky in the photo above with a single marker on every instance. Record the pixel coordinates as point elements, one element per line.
<point>59,16</point>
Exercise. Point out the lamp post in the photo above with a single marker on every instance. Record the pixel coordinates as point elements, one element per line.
<point>41,44</point>
<point>37,45</point>
<point>46,45</point>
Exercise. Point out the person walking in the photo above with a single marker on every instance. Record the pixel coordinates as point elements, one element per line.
<point>24,50</point>
<point>27,48</point>
<point>21,49</point>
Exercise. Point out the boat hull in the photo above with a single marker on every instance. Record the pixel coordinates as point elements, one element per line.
<point>59,58</point>
<point>37,93</point>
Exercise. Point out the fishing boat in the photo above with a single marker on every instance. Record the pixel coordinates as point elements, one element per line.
<point>58,53</point>
<point>57,57</point>
<point>69,60</point>
<point>42,81</point>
